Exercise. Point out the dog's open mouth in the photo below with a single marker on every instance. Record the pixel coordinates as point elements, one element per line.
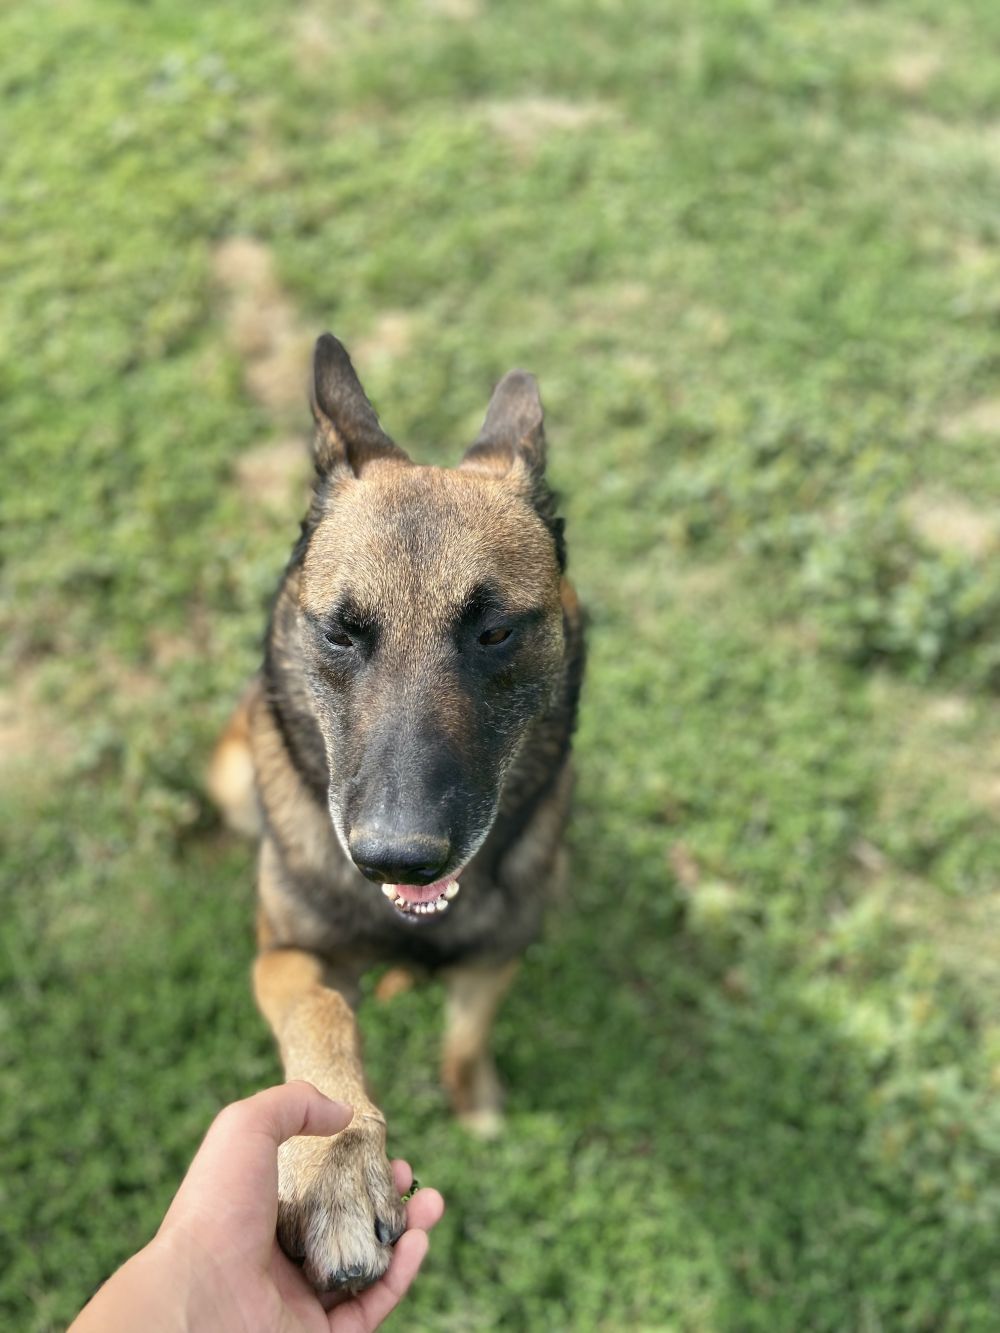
<point>422,900</point>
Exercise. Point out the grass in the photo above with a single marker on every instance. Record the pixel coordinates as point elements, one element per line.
<point>751,251</point>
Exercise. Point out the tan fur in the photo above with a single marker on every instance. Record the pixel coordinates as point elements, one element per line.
<point>230,778</point>
<point>482,533</point>
<point>467,1069</point>
<point>397,981</point>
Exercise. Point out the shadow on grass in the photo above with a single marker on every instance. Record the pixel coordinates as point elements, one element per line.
<point>728,1160</point>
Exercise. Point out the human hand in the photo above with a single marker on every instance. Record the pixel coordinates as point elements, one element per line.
<point>215,1265</point>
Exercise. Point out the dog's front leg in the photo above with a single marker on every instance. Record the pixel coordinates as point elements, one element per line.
<point>339,1211</point>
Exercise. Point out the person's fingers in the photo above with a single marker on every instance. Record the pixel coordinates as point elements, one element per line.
<point>237,1161</point>
<point>424,1210</point>
<point>365,1312</point>
<point>401,1174</point>
<point>285,1111</point>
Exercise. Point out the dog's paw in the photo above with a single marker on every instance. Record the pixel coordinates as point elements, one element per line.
<point>485,1124</point>
<point>339,1212</point>
<point>476,1093</point>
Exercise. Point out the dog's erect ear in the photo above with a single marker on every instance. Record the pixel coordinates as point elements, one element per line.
<point>347,429</point>
<point>513,434</point>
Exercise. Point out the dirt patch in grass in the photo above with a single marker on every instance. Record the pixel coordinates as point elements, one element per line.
<point>912,71</point>
<point>950,523</point>
<point>597,304</point>
<point>982,418</point>
<point>314,42</point>
<point>390,339</point>
<point>525,121</point>
<point>321,32</point>
<point>271,475</point>
<point>262,324</point>
<point>461,11</point>
<point>32,735</point>
<point>948,710</point>
<point>984,788</point>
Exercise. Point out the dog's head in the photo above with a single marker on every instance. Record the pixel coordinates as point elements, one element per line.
<point>431,628</point>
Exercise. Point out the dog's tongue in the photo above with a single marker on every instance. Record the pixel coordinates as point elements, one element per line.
<point>422,893</point>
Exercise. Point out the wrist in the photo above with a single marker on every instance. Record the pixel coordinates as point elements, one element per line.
<point>143,1293</point>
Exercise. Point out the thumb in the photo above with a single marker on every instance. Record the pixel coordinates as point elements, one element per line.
<point>282,1112</point>
<point>238,1156</point>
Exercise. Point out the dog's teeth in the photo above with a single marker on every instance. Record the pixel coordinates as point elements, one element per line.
<point>441,905</point>
<point>452,890</point>
<point>390,892</point>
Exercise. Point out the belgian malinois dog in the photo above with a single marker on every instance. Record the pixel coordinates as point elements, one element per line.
<point>404,755</point>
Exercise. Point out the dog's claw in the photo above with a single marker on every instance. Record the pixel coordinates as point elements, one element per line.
<point>350,1280</point>
<point>384,1233</point>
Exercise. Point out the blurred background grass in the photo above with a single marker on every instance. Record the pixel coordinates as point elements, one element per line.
<point>751,250</point>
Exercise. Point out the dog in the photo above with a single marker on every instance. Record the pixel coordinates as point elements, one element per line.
<point>404,755</point>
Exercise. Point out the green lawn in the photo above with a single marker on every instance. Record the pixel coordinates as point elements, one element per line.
<point>752,251</point>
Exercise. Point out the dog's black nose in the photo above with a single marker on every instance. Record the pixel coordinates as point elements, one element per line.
<point>387,858</point>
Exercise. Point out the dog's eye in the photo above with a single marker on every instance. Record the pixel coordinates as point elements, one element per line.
<point>338,638</point>
<point>491,637</point>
